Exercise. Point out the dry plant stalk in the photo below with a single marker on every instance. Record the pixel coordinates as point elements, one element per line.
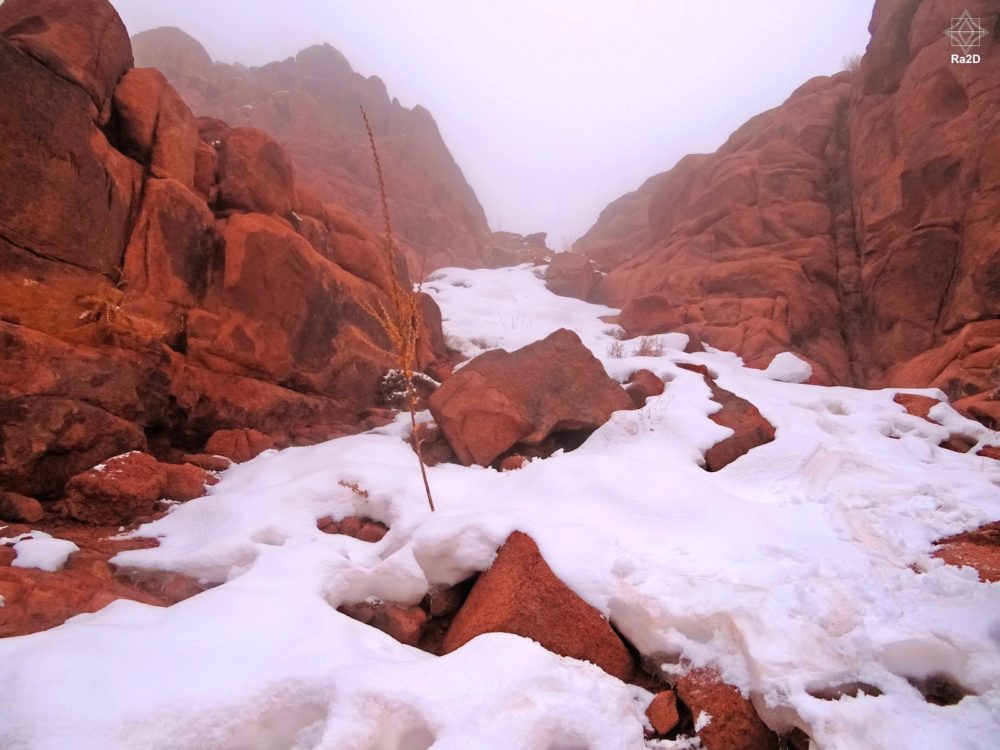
<point>354,487</point>
<point>401,320</point>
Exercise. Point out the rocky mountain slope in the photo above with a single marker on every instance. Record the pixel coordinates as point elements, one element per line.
<point>857,224</point>
<point>160,281</point>
<point>309,103</point>
<point>730,559</point>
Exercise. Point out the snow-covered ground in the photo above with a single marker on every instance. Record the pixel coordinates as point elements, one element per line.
<point>805,564</point>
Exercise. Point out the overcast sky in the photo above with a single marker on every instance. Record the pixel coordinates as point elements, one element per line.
<point>552,108</point>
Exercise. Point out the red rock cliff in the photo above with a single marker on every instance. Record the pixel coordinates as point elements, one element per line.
<point>857,224</point>
<point>309,103</point>
<point>159,282</point>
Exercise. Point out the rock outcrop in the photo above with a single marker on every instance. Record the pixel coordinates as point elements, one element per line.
<point>37,600</point>
<point>571,275</point>
<point>501,399</point>
<point>730,720</point>
<point>162,278</point>
<point>309,104</point>
<point>978,549</point>
<point>750,428</point>
<point>510,249</point>
<point>520,594</point>
<point>858,224</point>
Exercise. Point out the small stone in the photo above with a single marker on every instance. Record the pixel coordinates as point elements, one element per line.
<point>405,623</point>
<point>662,712</point>
<point>513,463</point>
<point>207,461</point>
<point>19,508</point>
<point>372,531</point>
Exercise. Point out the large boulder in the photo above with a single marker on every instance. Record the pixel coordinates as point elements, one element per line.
<point>281,311</point>
<point>45,440</point>
<point>520,594</point>
<point>156,125</point>
<point>118,491</point>
<point>82,41</point>
<point>255,173</point>
<point>750,428</point>
<point>571,275</point>
<point>733,722</point>
<point>502,398</point>
<point>67,194</point>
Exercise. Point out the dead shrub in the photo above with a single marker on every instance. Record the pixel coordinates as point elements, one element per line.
<point>649,346</point>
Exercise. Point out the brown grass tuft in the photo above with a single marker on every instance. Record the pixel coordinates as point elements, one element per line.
<point>103,310</point>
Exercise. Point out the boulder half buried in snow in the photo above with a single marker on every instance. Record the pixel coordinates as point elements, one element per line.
<point>750,428</point>
<point>520,594</point>
<point>724,719</point>
<point>502,398</point>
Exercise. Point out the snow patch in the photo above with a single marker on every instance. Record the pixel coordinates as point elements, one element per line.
<point>788,368</point>
<point>795,566</point>
<point>40,550</point>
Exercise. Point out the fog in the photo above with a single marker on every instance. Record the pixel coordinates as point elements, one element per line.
<point>552,108</point>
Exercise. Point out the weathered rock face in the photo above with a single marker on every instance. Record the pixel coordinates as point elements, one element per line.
<point>36,600</point>
<point>571,275</point>
<point>520,594</point>
<point>858,224</point>
<point>83,42</point>
<point>156,125</point>
<point>309,103</point>
<point>135,314</point>
<point>501,398</point>
<point>732,241</point>
<point>510,249</point>
<point>68,195</point>
<point>925,169</point>
<point>255,174</point>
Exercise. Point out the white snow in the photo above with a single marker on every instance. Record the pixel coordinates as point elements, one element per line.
<point>804,564</point>
<point>788,368</point>
<point>40,550</point>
